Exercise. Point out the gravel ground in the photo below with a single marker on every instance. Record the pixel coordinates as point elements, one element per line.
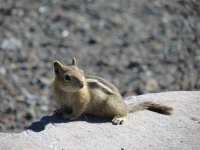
<point>140,45</point>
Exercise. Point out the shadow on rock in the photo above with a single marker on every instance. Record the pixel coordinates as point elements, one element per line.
<point>40,125</point>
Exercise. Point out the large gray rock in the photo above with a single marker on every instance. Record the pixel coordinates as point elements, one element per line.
<point>144,130</point>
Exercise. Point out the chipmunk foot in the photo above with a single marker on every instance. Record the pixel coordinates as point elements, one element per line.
<point>119,120</point>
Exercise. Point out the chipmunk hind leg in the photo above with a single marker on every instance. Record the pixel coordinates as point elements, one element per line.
<point>117,109</point>
<point>119,120</point>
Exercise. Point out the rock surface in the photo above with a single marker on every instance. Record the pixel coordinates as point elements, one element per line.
<point>142,46</point>
<point>144,130</point>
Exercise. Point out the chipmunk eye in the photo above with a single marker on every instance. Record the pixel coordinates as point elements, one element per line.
<point>67,78</point>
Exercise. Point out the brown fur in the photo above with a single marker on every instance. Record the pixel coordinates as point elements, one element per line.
<point>155,107</point>
<point>93,95</point>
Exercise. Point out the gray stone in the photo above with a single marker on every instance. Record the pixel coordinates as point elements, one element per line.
<point>11,44</point>
<point>144,130</point>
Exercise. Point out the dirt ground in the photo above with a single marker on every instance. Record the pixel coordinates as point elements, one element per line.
<point>142,46</point>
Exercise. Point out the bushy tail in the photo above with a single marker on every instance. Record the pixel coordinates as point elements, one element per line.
<point>155,107</point>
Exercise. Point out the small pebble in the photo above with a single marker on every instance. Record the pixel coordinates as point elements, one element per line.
<point>11,44</point>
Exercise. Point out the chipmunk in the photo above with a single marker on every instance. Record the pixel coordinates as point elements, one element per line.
<point>79,94</point>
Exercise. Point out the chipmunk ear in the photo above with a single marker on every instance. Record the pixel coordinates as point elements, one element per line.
<point>74,61</point>
<point>57,66</point>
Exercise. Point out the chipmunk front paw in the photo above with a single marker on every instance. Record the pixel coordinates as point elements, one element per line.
<point>58,112</point>
<point>62,111</point>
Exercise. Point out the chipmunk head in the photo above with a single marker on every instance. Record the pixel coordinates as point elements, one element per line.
<point>69,78</point>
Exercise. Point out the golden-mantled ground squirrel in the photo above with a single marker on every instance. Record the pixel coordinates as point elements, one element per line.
<point>79,94</point>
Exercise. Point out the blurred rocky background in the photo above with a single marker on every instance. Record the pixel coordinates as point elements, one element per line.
<point>142,46</point>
